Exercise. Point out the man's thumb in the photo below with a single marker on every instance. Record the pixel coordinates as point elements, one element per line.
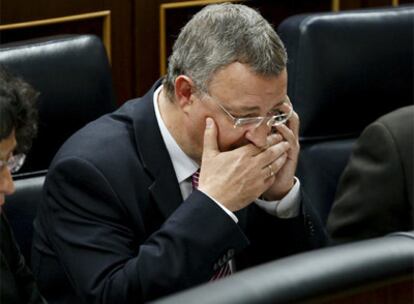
<point>210,137</point>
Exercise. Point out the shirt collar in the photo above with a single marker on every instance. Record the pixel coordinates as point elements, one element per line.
<point>184,166</point>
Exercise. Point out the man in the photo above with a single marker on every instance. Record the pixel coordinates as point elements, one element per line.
<point>375,195</point>
<point>123,220</point>
<point>17,128</point>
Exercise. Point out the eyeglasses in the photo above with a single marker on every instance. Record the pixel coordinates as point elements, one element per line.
<point>276,118</point>
<point>14,163</point>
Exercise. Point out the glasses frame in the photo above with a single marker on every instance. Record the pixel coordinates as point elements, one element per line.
<point>14,163</point>
<point>271,120</point>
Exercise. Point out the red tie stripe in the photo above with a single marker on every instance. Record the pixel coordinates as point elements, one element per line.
<point>224,271</point>
<point>194,179</point>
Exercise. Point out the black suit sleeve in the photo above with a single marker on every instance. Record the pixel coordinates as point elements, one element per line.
<point>17,284</point>
<point>109,259</point>
<point>371,197</point>
<point>272,237</point>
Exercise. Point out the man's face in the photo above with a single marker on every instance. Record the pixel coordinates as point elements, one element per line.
<point>7,147</point>
<point>243,94</point>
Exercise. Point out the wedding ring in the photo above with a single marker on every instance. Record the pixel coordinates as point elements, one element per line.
<point>271,173</point>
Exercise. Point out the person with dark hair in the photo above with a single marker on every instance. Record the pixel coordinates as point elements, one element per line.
<point>18,126</point>
<point>187,184</point>
<point>375,193</point>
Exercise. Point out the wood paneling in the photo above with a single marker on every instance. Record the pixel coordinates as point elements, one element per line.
<point>97,23</point>
<point>123,48</point>
<point>358,4</point>
<point>146,29</point>
<point>12,11</point>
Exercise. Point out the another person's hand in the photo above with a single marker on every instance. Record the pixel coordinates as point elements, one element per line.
<point>236,178</point>
<point>284,176</point>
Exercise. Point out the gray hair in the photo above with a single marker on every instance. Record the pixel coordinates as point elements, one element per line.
<point>219,35</point>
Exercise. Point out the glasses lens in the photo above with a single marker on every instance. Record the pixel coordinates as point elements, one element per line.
<point>248,121</point>
<point>279,119</point>
<point>16,162</point>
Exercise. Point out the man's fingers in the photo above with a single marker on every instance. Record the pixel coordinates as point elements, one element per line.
<point>271,140</point>
<point>273,152</point>
<point>289,135</point>
<point>210,147</point>
<point>293,122</point>
<point>273,168</point>
<point>274,139</point>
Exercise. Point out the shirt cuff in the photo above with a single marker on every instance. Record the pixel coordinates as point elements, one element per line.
<point>287,207</point>
<point>231,214</point>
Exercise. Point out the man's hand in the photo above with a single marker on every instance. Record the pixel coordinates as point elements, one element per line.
<point>284,177</point>
<point>236,178</point>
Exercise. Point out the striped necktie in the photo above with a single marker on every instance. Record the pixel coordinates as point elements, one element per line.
<point>225,270</point>
<point>194,179</point>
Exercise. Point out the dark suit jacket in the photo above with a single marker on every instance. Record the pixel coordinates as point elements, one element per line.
<point>114,228</point>
<point>375,196</point>
<point>17,284</point>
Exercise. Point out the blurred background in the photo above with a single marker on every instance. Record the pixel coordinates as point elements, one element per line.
<point>138,34</point>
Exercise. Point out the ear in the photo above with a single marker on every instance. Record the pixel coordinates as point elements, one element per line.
<point>184,89</point>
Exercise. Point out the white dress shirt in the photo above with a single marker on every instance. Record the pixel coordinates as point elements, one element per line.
<point>185,167</point>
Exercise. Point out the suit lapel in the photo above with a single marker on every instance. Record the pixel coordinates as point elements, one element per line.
<point>154,155</point>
